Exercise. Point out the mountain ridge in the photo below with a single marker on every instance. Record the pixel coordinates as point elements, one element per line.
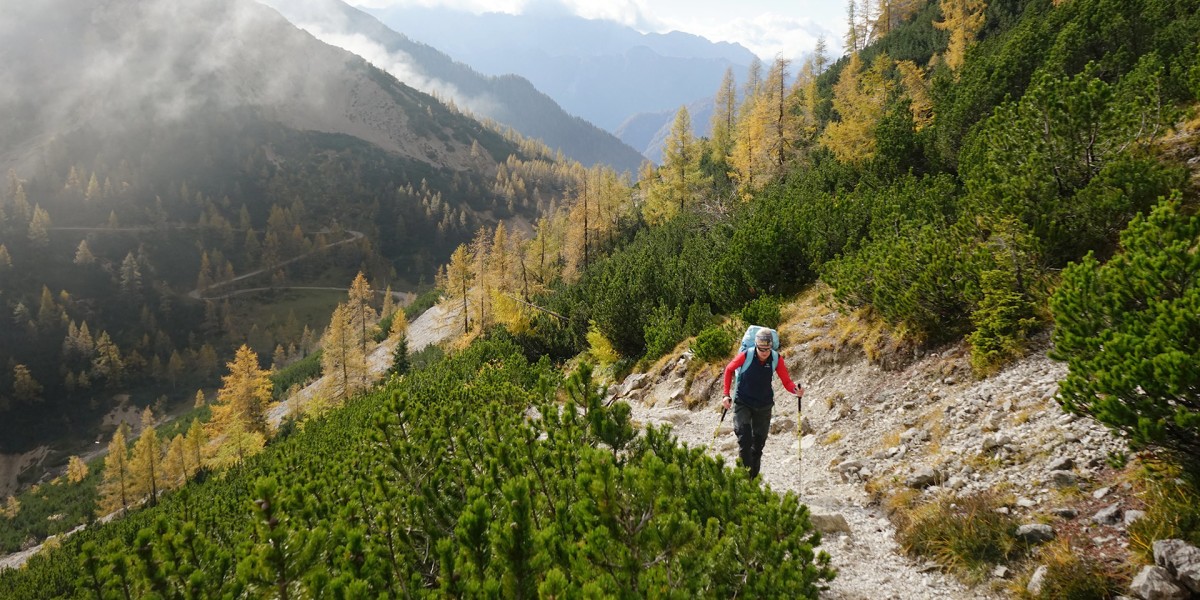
<point>510,100</point>
<point>599,70</point>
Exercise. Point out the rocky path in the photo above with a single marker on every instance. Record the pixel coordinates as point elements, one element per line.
<point>863,547</point>
<point>927,427</point>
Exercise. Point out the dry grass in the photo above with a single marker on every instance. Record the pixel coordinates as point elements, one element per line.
<point>891,439</point>
<point>903,498</point>
<point>936,419</point>
<point>1070,575</point>
<point>832,438</point>
<point>834,398</point>
<point>965,535</point>
<point>1172,509</point>
<point>807,306</point>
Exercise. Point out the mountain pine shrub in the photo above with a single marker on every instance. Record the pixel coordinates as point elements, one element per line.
<point>480,475</point>
<point>1129,331</point>
<point>716,343</point>
<point>1003,321</point>
<point>763,310</point>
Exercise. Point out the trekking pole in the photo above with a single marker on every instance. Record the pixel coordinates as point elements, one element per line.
<point>799,448</point>
<point>718,429</point>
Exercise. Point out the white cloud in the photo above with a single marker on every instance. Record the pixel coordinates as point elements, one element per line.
<point>396,63</point>
<point>769,28</point>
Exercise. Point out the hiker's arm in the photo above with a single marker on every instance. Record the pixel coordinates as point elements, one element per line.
<point>730,369</point>
<point>786,378</point>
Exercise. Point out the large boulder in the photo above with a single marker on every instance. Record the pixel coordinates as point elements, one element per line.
<point>1180,559</point>
<point>1155,583</point>
<point>634,382</point>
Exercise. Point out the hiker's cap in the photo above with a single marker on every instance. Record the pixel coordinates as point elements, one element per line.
<point>763,338</point>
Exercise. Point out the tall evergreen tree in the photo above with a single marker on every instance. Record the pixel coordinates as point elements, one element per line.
<point>360,310</point>
<point>39,227</point>
<point>83,254</point>
<point>77,470</point>
<point>680,180</point>
<point>25,387</point>
<point>859,98</point>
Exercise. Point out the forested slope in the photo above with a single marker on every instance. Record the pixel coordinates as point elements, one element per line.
<point>467,478</point>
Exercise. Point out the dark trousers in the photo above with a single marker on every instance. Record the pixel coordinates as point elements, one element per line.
<point>751,425</point>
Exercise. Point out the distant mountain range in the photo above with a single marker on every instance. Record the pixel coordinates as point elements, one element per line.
<point>508,99</point>
<point>609,74</point>
<point>649,131</point>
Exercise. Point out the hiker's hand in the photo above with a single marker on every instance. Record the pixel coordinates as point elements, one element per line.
<point>799,392</point>
<point>726,402</point>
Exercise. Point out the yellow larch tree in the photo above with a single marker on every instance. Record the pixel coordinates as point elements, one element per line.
<point>174,464</point>
<point>680,181</point>
<point>724,120</point>
<point>481,268</point>
<point>806,98</point>
<point>244,394</point>
<point>459,277</point>
<point>145,464</point>
<point>501,258</point>
<point>77,470</point>
<point>389,303</point>
<point>745,160</point>
<point>399,325</point>
<point>360,311</point>
<point>117,481</point>
<point>197,440</point>
<point>859,98</point>
<point>238,444</point>
<point>962,19</point>
<point>39,227</point>
<point>916,87</point>
<point>342,357</point>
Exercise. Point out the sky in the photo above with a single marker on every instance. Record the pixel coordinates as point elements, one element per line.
<point>769,28</point>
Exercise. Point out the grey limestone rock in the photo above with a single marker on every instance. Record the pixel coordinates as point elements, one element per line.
<point>923,478</point>
<point>1037,581</point>
<point>1064,463</point>
<point>1155,583</point>
<point>1064,479</point>
<point>1181,559</point>
<point>1109,515</point>
<point>829,523</point>
<point>1035,533</point>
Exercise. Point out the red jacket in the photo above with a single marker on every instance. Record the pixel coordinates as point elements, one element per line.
<point>780,370</point>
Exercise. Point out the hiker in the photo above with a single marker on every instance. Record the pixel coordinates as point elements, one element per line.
<point>755,398</point>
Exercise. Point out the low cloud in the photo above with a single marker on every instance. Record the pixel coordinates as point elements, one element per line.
<point>326,21</point>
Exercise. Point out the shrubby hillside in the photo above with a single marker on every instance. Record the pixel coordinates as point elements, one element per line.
<point>969,173</point>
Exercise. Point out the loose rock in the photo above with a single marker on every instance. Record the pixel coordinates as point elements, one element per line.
<point>1035,533</point>
<point>1109,515</point>
<point>1155,583</point>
